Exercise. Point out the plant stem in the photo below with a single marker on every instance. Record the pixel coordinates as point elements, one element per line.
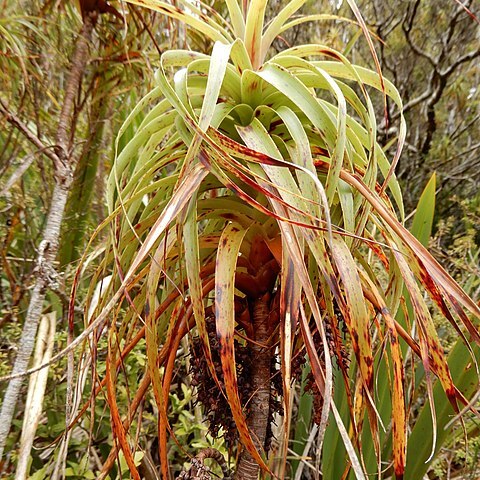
<point>260,402</point>
<point>48,248</point>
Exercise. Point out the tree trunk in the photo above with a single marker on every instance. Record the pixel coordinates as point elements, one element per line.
<point>48,248</point>
<point>247,468</point>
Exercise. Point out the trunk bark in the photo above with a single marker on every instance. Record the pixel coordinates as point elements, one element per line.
<point>48,248</point>
<point>247,468</point>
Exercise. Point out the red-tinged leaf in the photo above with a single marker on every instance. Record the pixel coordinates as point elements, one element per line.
<point>437,297</point>
<point>427,328</point>
<point>275,246</point>
<point>192,266</point>
<point>357,320</point>
<point>470,13</point>
<point>225,159</point>
<point>380,254</point>
<point>119,430</point>
<point>163,423</point>
<point>253,30</point>
<point>175,330</point>
<point>454,302</point>
<point>132,409</point>
<point>223,149</point>
<point>219,173</point>
<point>290,298</point>
<point>411,343</point>
<point>179,199</point>
<point>257,140</point>
<point>399,416</point>
<point>436,274</point>
<point>461,314</point>
<point>317,369</point>
<point>430,349</point>
<point>323,379</point>
<point>154,371</point>
<point>322,384</point>
<point>358,315</point>
<point>227,254</point>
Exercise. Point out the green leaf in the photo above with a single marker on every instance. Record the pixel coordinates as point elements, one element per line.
<point>420,444</point>
<point>254,30</point>
<point>236,17</point>
<point>275,26</point>
<point>423,218</point>
<point>292,88</point>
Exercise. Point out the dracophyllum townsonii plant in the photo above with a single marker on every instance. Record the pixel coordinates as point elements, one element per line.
<point>251,208</point>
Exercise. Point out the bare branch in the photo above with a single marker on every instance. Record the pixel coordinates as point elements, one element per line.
<point>407,25</point>
<point>446,39</point>
<point>414,102</point>
<point>459,131</point>
<point>465,58</point>
<point>29,135</point>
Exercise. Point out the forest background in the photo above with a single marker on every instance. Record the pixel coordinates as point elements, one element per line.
<point>429,49</point>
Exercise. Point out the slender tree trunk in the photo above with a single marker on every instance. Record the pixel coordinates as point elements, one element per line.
<point>48,248</point>
<point>260,403</point>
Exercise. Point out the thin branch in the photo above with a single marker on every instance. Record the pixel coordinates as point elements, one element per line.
<point>147,28</point>
<point>29,135</point>
<point>471,149</point>
<point>414,102</point>
<point>446,39</point>
<point>459,131</point>
<point>465,6</point>
<point>465,58</point>
<point>407,25</point>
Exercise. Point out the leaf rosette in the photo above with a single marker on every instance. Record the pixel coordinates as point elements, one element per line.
<point>240,152</point>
